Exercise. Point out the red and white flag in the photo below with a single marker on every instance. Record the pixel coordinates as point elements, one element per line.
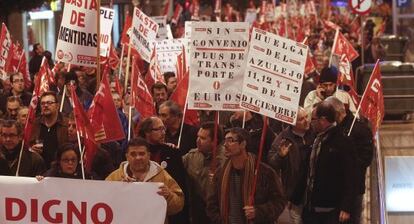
<point>181,65</point>
<point>103,115</point>
<point>141,97</point>
<point>6,50</point>
<point>372,102</point>
<point>177,13</point>
<point>154,72</point>
<point>342,46</point>
<point>126,32</point>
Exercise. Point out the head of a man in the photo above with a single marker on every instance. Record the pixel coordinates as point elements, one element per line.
<point>170,113</point>
<point>138,155</point>
<point>17,82</point>
<point>22,115</point>
<point>159,92</point>
<point>49,104</point>
<point>323,116</point>
<point>302,121</point>
<point>327,80</point>
<point>171,81</point>
<point>152,130</point>
<point>205,137</point>
<point>72,135</point>
<point>339,108</point>
<point>235,142</point>
<point>13,105</point>
<point>38,49</point>
<point>11,134</point>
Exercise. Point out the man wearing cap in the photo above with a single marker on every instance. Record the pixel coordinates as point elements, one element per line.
<point>326,88</point>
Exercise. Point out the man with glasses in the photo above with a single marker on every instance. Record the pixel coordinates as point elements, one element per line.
<point>50,128</point>
<point>17,82</point>
<point>153,131</point>
<point>331,179</point>
<point>229,199</point>
<point>139,168</point>
<point>31,164</point>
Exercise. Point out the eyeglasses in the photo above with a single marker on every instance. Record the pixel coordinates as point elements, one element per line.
<point>230,140</point>
<point>18,80</point>
<point>69,160</point>
<point>47,103</point>
<point>9,135</point>
<point>158,129</point>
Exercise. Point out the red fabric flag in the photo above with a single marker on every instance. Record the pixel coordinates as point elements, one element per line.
<point>119,87</point>
<point>18,63</point>
<point>46,75</point>
<point>126,31</point>
<point>309,66</point>
<point>181,65</point>
<point>177,13</point>
<point>6,49</point>
<point>354,96</point>
<point>24,69</point>
<point>112,59</point>
<point>345,72</point>
<point>103,115</point>
<point>154,72</point>
<point>342,46</point>
<point>372,102</point>
<point>330,25</point>
<point>140,95</point>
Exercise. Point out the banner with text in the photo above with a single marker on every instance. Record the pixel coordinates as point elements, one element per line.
<point>59,200</point>
<point>162,27</point>
<point>77,37</point>
<point>107,20</point>
<point>167,51</point>
<point>144,31</point>
<point>218,53</point>
<point>274,76</point>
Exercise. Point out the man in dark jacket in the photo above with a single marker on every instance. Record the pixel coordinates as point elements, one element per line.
<point>361,134</point>
<point>330,190</point>
<point>290,155</point>
<point>17,82</point>
<point>153,131</point>
<point>229,199</point>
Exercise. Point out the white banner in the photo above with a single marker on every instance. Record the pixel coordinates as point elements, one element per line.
<point>144,31</point>
<point>106,22</point>
<point>218,53</point>
<point>59,200</point>
<point>162,27</point>
<point>274,76</point>
<point>77,37</point>
<point>167,51</point>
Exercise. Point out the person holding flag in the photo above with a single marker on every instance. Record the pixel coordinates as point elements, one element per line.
<point>229,196</point>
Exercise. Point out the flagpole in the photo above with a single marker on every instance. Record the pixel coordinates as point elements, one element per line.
<point>20,159</point>
<point>127,65</point>
<point>362,98</point>
<point>20,61</point>
<point>333,46</point>
<point>63,99</point>
<point>81,154</point>
<point>244,119</point>
<point>98,44</point>
<point>182,125</point>
<point>121,60</point>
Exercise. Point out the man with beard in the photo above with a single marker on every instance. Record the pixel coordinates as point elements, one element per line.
<point>50,128</point>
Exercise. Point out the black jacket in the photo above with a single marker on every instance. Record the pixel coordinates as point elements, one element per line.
<point>364,147</point>
<point>31,163</point>
<point>335,179</point>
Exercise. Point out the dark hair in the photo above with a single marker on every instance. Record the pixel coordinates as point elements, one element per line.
<point>11,99</point>
<point>209,125</point>
<point>71,76</point>
<point>325,109</point>
<point>158,85</point>
<point>136,142</point>
<point>35,47</point>
<point>67,147</point>
<point>242,134</point>
<point>145,126</point>
<point>174,108</point>
<point>13,123</point>
<point>13,74</point>
<point>49,93</point>
<point>168,75</point>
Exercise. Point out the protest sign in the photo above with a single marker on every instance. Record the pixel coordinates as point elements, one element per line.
<point>77,37</point>
<point>167,51</point>
<point>144,31</point>
<point>61,200</point>
<point>274,75</point>
<point>106,21</point>
<point>162,27</point>
<point>218,53</point>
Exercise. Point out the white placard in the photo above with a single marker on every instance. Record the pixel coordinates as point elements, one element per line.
<point>218,59</point>
<point>106,22</point>
<point>162,27</point>
<point>77,38</point>
<point>144,31</point>
<point>251,16</point>
<point>167,52</point>
<point>59,200</point>
<point>274,76</point>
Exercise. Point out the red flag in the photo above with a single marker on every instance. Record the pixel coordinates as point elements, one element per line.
<point>103,115</point>
<point>372,102</point>
<point>46,76</point>
<point>126,31</point>
<point>141,96</point>
<point>345,72</point>
<point>177,13</point>
<point>112,59</point>
<point>354,96</point>
<point>154,72</point>
<point>24,69</point>
<point>330,25</point>
<point>118,86</point>
<point>6,49</point>
<point>342,46</point>
<point>181,65</point>
<point>309,66</point>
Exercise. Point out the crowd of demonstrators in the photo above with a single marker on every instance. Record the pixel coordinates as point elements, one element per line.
<point>314,169</point>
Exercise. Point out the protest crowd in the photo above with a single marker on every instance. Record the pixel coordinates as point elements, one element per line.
<point>180,122</point>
